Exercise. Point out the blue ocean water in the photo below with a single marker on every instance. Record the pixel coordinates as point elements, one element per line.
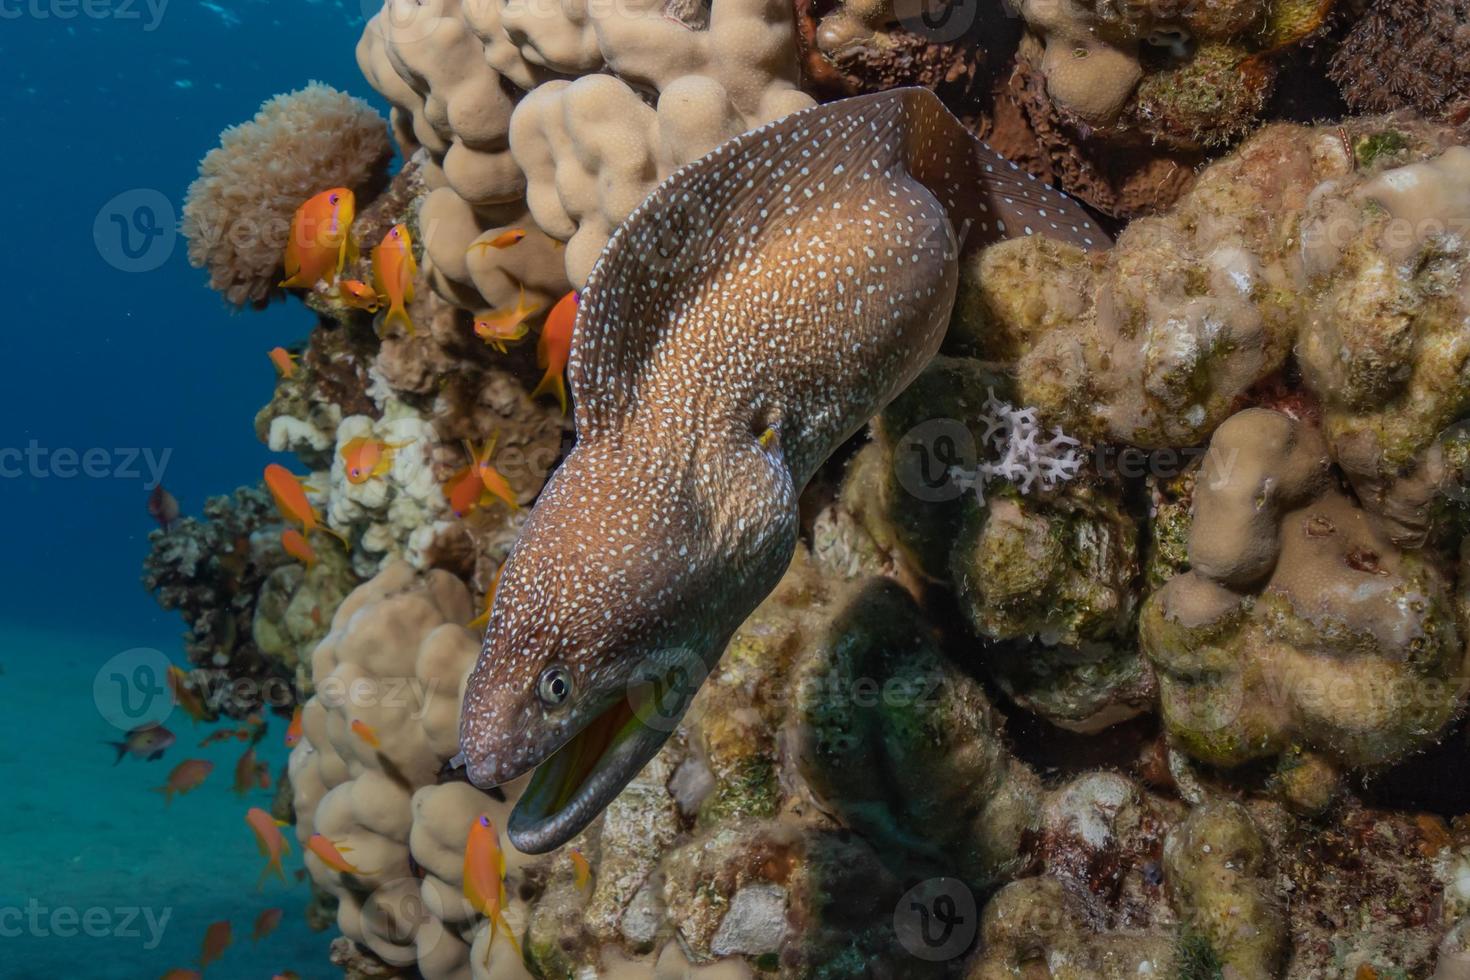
<point>130,372</point>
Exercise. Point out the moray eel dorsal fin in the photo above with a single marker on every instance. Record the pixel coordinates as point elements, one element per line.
<point>754,312</point>
<point>677,240</point>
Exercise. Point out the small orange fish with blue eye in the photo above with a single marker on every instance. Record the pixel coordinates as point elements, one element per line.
<point>359,295</point>
<point>320,242</point>
<point>554,349</point>
<point>500,327</point>
<point>503,240</point>
<point>284,361</point>
<point>394,269</point>
<point>366,458</point>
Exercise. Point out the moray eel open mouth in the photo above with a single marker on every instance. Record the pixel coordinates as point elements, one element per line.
<point>577,781</point>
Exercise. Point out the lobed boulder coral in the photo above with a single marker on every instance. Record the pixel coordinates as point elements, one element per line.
<point>558,119</point>
<point>238,212</point>
<point>396,659</point>
<point>1299,625</point>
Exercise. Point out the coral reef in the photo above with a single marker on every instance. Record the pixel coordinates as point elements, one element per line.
<point>252,613</point>
<point>396,660</point>
<point>238,212</point>
<point>535,118</point>
<point>1299,626</point>
<point>1122,100</point>
<point>1123,631</point>
<point>1155,344</point>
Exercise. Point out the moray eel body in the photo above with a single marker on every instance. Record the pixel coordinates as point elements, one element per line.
<point>759,307</point>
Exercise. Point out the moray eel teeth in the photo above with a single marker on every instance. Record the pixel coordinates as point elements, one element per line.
<point>749,316</point>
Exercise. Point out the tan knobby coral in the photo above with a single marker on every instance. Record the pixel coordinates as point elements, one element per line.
<point>396,660</point>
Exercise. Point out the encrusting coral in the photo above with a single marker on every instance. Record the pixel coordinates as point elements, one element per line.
<point>1124,99</point>
<point>237,215</point>
<point>1299,626</point>
<point>1154,343</point>
<point>227,575</point>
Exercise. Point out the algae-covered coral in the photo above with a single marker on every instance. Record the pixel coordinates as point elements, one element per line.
<point>1134,632</point>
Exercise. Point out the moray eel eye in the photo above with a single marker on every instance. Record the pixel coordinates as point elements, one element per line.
<point>554,687</point>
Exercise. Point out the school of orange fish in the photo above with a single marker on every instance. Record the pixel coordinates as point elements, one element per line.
<point>320,248</point>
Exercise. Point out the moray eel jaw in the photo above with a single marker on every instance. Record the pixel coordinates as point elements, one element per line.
<point>577,782</point>
<point>598,588</point>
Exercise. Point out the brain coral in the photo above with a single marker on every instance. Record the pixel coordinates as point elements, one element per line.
<point>619,96</point>
<point>396,659</point>
<point>238,211</point>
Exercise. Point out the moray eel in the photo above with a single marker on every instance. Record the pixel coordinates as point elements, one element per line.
<point>755,311</point>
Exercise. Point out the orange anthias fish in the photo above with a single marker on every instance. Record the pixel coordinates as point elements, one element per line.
<point>365,732</point>
<point>331,854</point>
<point>393,272</point>
<point>291,501</point>
<point>186,776</point>
<point>293,730</point>
<point>294,543</point>
<point>554,347</point>
<point>581,870</point>
<point>265,924</point>
<point>218,735</point>
<point>185,697</point>
<point>484,875</point>
<point>359,295</point>
<point>284,361</point>
<point>217,939</point>
<point>246,772</point>
<point>503,240</point>
<point>321,240</point>
<point>268,838</point>
<point>495,485</point>
<point>163,507</point>
<point>148,742</point>
<point>366,458</point>
<point>181,974</point>
<point>500,327</point>
<point>482,621</point>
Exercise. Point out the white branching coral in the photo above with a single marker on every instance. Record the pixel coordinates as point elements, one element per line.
<point>1024,459</point>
